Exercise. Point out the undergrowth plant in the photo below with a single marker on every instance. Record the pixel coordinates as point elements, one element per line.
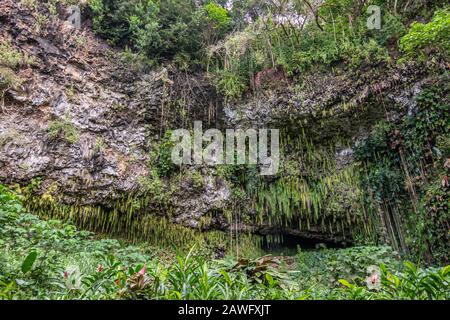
<point>53,260</point>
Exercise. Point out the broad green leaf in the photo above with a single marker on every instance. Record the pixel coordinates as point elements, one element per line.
<point>29,261</point>
<point>345,283</point>
<point>445,271</point>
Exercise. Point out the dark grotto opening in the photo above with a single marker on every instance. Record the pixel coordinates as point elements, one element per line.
<point>281,243</point>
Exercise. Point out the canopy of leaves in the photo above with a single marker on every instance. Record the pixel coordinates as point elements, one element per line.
<point>162,30</point>
<point>433,35</point>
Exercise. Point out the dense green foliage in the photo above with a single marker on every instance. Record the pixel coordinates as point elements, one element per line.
<point>406,171</point>
<point>397,193</point>
<point>52,260</point>
<point>335,35</point>
<point>433,35</point>
<point>162,30</point>
<point>293,37</point>
<point>164,164</point>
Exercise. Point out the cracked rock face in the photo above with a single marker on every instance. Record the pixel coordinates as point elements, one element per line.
<point>330,95</point>
<point>113,113</point>
<point>87,121</point>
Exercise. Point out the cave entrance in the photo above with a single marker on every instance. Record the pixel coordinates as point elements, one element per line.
<point>283,244</point>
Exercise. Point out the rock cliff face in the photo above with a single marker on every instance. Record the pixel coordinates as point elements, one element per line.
<point>85,122</point>
<point>78,86</point>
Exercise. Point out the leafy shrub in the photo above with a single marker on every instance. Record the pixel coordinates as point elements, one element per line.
<point>327,266</point>
<point>165,166</point>
<point>154,185</point>
<point>333,40</point>
<point>8,79</point>
<point>415,283</point>
<point>232,85</point>
<point>218,16</point>
<point>12,58</point>
<point>63,129</point>
<point>39,258</point>
<point>116,20</point>
<point>411,284</point>
<point>160,29</point>
<point>135,60</point>
<point>433,35</point>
